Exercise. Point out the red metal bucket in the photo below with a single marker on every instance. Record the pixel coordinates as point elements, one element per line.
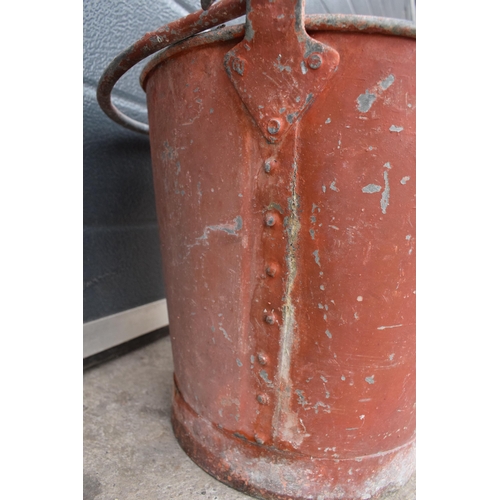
<point>288,240</point>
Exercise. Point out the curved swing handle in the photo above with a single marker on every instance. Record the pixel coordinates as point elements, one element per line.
<point>220,12</point>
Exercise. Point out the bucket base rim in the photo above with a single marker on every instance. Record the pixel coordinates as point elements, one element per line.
<point>268,475</point>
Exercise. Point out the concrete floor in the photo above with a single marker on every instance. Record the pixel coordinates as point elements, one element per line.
<point>129,449</point>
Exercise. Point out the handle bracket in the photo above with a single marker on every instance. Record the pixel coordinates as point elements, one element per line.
<point>278,69</point>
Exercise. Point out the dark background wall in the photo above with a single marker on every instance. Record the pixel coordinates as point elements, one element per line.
<point>121,247</point>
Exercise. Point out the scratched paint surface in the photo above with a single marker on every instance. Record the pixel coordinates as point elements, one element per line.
<point>204,217</point>
<point>360,284</point>
<point>294,338</point>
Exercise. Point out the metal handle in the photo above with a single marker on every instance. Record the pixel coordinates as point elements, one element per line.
<point>152,42</point>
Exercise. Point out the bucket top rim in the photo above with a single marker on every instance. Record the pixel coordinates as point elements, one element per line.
<point>313,23</point>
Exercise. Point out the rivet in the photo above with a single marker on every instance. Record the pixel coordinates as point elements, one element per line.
<point>270,319</point>
<point>274,125</point>
<point>314,61</point>
<point>271,270</point>
<point>259,439</point>
<point>270,220</point>
<point>269,164</point>
<point>263,399</point>
<point>239,65</point>
<point>263,359</point>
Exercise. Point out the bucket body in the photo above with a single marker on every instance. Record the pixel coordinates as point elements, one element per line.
<point>290,270</point>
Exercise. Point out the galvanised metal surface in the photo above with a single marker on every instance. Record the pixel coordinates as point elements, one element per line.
<point>290,265</point>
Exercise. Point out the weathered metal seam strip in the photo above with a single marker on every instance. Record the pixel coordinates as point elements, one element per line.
<point>287,331</point>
